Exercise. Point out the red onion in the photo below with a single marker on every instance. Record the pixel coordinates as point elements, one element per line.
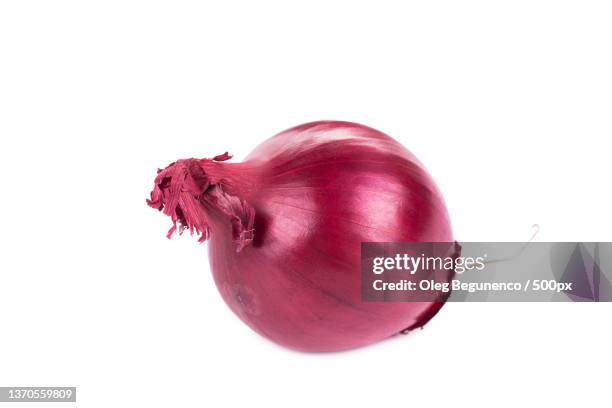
<point>286,227</point>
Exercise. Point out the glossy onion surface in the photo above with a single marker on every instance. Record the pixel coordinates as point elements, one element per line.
<point>286,227</point>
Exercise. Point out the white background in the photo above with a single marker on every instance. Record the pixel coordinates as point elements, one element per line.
<point>507,103</point>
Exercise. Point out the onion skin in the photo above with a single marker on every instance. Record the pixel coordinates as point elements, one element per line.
<point>286,228</point>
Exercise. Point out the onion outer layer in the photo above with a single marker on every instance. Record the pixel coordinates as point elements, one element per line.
<point>286,227</point>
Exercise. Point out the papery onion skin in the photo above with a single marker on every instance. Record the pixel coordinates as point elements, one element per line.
<point>286,227</point>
